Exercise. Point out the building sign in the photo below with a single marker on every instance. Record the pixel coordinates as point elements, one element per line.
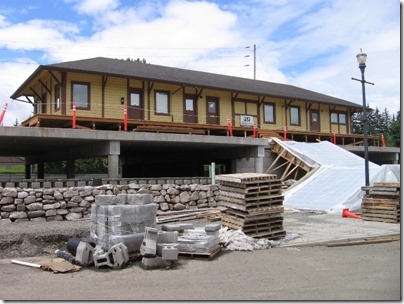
<point>246,121</point>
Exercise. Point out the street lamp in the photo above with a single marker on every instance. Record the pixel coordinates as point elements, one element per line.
<point>361,57</point>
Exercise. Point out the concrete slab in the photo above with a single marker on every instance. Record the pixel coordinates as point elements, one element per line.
<point>319,229</point>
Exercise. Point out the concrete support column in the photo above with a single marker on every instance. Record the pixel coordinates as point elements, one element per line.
<point>41,170</point>
<point>113,159</point>
<point>70,168</point>
<point>27,171</point>
<point>259,165</point>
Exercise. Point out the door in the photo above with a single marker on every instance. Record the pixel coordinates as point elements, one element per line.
<point>314,121</point>
<point>190,109</point>
<point>212,110</point>
<point>135,104</point>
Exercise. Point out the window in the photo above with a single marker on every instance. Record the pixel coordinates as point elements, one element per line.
<point>338,118</point>
<point>57,97</point>
<point>135,99</point>
<point>81,95</point>
<point>162,103</point>
<point>269,113</point>
<point>295,115</point>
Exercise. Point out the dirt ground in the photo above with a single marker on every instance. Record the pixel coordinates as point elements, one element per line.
<point>29,239</point>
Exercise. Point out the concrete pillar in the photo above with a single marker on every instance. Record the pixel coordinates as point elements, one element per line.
<point>259,165</point>
<point>41,170</point>
<point>27,171</point>
<point>70,168</point>
<point>113,166</point>
<point>114,150</point>
<point>259,160</point>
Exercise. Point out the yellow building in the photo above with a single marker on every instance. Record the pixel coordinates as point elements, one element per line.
<point>164,99</point>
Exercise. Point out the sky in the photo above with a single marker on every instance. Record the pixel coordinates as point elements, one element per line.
<point>311,44</point>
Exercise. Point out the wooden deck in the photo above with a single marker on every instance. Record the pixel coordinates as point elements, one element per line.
<point>93,123</point>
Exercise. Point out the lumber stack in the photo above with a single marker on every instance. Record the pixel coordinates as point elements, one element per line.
<point>254,204</point>
<point>382,203</point>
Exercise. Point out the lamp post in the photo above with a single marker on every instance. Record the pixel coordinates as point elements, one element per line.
<point>361,57</point>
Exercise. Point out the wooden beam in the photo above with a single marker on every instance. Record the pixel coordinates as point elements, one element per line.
<point>36,94</point>
<point>54,77</point>
<point>44,85</point>
<point>179,88</point>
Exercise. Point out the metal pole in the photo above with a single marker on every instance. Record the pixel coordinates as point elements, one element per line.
<point>362,67</point>
<point>255,61</point>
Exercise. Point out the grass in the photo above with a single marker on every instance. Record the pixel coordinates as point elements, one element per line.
<point>17,169</point>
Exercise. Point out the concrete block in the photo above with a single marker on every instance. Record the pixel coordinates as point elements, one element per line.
<point>23,185</point>
<point>58,184</point>
<point>185,226</point>
<point>155,262</point>
<point>47,185</point>
<point>104,199</point>
<point>35,185</point>
<point>131,241</point>
<point>212,227</point>
<point>170,227</point>
<point>148,247</point>
<point>167,237</point>
<point>116,257</point>
<point>167,251</point>
<point>139,199</point>
<point>84,253</point>
<point>70,184</point>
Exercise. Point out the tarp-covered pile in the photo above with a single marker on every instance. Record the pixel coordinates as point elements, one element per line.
<point>336,180</point>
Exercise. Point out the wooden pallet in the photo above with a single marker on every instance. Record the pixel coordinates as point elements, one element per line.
<point>379,219</point>
<point>268,214</point>
<point>245,178</point>
<point>251,195</point>
<point>200,255</point>
<point>260,188</point>
<point>382,204</point>
<point>263,203</point>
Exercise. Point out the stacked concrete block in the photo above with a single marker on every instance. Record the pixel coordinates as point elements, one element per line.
<point>122,219</point>
<point>196,240</point>
<point>159,248</point>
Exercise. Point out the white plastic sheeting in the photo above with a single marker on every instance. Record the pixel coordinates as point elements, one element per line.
<point>336,179</point>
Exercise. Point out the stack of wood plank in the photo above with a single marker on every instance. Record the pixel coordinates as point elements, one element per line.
<point>382,203</point>
<point>254,204</point>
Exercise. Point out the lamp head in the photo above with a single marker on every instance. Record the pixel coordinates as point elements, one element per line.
<point>361,57</point>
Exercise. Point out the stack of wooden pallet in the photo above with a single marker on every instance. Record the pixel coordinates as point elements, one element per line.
<point>254,204</point>
<point>382,203</point>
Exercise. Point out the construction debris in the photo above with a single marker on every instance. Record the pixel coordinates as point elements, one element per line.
<point>382,203</point>
<point>254,204</point>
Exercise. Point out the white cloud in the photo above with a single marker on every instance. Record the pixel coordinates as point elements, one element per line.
<point>93,7</point>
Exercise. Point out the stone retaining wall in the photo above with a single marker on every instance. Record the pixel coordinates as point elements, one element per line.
<point>59,204</point>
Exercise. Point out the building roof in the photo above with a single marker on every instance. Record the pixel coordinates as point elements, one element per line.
<point>151,72</point>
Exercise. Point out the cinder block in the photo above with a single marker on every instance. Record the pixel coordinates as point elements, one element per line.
<point>170,227</point>
<point>58,184</point>
<point>148,247</point>
<point>167,251</point>
<point>115,258</point>
<point>84,253</point>
<point>167,237</point>
<point>185,226</point>
<point>212,227</point>
<point>35,185</point>
<point>139,199</point>
<point>104,199</point>
<point>131,241</point>
<point>155,262</point>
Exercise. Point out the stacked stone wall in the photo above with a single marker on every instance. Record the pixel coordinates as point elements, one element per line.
<point>59,204</point>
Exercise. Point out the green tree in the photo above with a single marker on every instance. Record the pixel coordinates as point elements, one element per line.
<point>393,137</point>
